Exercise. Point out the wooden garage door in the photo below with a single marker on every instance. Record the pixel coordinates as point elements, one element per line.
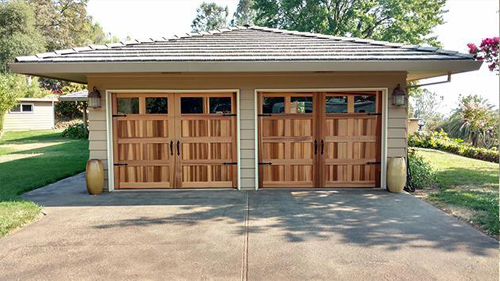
<point>174,140</point>
<point>319,139</point>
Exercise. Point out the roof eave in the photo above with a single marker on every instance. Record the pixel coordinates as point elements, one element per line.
<point>78,71</point>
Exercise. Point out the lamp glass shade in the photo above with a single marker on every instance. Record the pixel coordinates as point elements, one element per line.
<point>399,100</point>
<point>94,99</point>
<point>398,96</point>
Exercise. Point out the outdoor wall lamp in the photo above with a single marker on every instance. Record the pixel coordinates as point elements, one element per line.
<point>94,98</point>
<point>398,96</point>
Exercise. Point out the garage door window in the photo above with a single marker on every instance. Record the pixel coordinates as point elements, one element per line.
<point>364,104</point>
<point>273,105</point>
<point>220,105</point>
<point>336,104</point>
<point>192,105</point>
<point>301,105</point>
<point>156,106</point>
<point>127,105</point>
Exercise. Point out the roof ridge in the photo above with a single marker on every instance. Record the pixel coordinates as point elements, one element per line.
<point>360,40</point>
<point>236,28</point>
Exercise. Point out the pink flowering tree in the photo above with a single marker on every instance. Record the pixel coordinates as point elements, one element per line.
<point>487,51</point>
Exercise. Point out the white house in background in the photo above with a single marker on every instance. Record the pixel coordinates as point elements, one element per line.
<point>30,114</point>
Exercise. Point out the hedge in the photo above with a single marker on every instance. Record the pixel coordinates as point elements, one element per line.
<point>441,141</point>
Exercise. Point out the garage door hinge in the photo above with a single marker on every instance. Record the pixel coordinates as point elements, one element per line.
<point>120,164</point>
<point>265,163</point>
<point>373,163</point>
<point>230,163</point>
<point>264,114</point>
<point>119,115</point>
<point>372,113</point>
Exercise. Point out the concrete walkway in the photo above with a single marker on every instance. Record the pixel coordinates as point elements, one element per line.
<point>230,235</point>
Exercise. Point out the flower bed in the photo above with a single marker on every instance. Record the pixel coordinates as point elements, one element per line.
<point>441,141</point>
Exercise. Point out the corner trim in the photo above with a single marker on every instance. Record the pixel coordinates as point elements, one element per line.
<point>109,143</point>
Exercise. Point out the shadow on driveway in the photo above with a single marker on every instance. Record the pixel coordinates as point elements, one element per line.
<point>366,217</point>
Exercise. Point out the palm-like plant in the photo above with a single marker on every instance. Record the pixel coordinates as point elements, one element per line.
<point>474,121</point>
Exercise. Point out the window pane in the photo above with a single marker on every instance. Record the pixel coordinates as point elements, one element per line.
<point>364,104</point>
<point>192,105</point>
<point>336,104</point>
<point>27,107</point>
<point>128,105</point>
<point>220,105</point>
<point>301,105</point>
<point>16,108</point>
<point>273,105</point>
<point>156,106</point>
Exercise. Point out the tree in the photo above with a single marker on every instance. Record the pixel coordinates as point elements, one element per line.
<point>425,105</point>
<point>487,51</point>
<point>18,35</point>
<point>402,21</point>
<point>244,13</point>
<point>475,121</point>
<point>66,24</point>
<point>210,16</point>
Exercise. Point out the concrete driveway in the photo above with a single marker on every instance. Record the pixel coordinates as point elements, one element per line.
<point>230,235</point>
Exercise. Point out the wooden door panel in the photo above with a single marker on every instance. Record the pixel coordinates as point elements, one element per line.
<point>287,140</point>
<point>207,143</point>
<point>351,156</point>
<point>143,154</point>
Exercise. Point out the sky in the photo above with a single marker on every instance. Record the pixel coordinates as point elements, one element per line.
<point>467,21</point>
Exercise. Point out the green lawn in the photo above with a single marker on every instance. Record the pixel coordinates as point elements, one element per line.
<point>29,160</point>
<point>466,183</point>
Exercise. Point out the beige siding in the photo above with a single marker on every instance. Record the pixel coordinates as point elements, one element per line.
<point>42,118</point>
<point>247,84</point>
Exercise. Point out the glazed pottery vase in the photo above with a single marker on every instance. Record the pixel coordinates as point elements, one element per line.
<point>396,174</point>
<point>94,176</point>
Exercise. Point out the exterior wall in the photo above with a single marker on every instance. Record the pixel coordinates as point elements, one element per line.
<point>412,125</point>
<point>247,84</point>
<point>42,118</point>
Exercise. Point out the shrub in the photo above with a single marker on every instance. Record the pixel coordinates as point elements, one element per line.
<point>421,172</point>
<point>441,141</point>
<point>77,131</point>
<point>67,110</point>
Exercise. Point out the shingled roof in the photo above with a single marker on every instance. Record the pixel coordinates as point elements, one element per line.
<point>247,44</point>
<point>241,49</point>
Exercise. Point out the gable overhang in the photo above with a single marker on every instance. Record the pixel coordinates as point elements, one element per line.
<point>78,71</point>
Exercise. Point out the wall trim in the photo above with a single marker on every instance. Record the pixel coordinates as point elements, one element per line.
<point>109,124</point>
<point>385,108</point>
<point>109,142</point>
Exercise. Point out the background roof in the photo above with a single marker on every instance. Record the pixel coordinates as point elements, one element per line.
<point>76,96</point>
